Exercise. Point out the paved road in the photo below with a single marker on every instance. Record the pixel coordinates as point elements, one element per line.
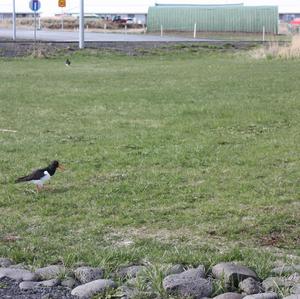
<point>71,36</point>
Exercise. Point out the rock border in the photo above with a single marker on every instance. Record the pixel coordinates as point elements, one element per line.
<point>55,281</point>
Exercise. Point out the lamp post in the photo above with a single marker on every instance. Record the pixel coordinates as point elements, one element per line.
<point>14,20</point>
<point>81,25</point>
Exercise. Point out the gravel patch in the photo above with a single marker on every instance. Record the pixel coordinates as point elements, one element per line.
<point>9,289</point>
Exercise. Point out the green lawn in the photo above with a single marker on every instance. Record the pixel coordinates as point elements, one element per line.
<point>190,157</point>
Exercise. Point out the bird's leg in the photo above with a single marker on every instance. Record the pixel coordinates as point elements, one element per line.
<point>38,188</point>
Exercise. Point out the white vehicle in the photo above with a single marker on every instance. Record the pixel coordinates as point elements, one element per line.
<point>129,21</point>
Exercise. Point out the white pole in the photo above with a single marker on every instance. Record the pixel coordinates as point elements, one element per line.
<point>264,31</point>
<point>161,31</point>
<point>81,25</point>
<point>14,20</point>
<point>62,19</point>
<point>195,30</point>
<point>34,26</point>
<point>125,29</point>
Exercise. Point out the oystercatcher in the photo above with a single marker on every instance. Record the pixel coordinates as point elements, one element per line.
<point>42,175</point>
<point>68,62</point>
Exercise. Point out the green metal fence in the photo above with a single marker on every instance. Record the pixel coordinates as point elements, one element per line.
<point>231,18</point>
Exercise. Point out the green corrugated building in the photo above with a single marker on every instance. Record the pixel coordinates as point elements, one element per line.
<point>213,18</point>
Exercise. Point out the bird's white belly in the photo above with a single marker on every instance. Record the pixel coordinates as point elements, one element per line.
<point>42,180</point>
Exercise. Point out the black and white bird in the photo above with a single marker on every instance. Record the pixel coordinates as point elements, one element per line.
<point>68,62</point>
<point>40,176</point>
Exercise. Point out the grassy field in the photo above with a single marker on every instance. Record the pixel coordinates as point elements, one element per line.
<point>190,157</point>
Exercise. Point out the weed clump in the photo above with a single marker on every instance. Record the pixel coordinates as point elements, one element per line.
<point>276,51</point>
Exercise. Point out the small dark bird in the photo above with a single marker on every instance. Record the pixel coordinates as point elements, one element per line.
<point>42,175</point>
<point>68,62</point>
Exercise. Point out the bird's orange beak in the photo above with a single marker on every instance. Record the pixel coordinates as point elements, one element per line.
<point>61,167</point>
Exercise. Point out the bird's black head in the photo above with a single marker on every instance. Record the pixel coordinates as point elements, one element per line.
<point>55,163</point>
<point>53,166</point>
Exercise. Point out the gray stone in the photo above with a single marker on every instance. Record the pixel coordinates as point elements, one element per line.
<point>49,283</point>
<point>189,283</point>
<point>50,272</point>
<point>232,273</point>
<point>125,292</point>
<point>19,266</point>
<point>251,286</point>
<point>295,277</point>
<point>270,295</point>
<point>272,283</point>
<point>17,274</point>
<point>28,285</point>
<point>176,269</point>
<point>284,270</point>
<point>230,295</point>
<point>202,269</point>
<point>4,262</point>
<point>294,296</point>
<point>296,289</point>
<point>130,271</point>
<point>87,274</point>
<point>89,289</point>
<point>68,283</point>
